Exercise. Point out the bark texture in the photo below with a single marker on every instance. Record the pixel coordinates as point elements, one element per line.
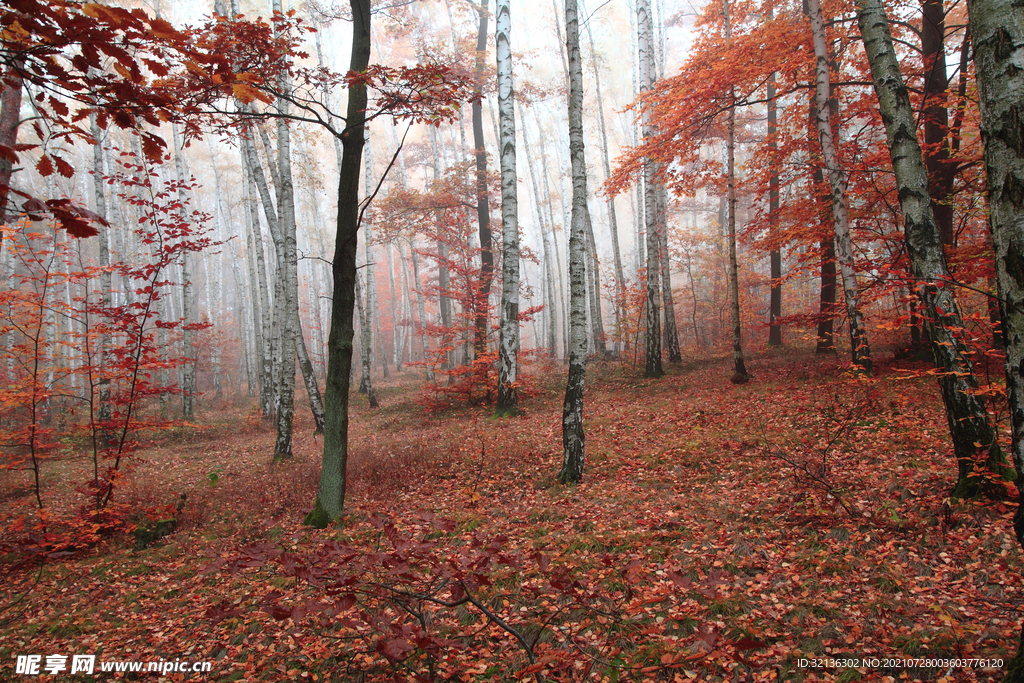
<point>10,119</point>
<point>974,438</point>
<point>483,213</point>
<point>997,27</point>
<point>330,498</point>
<point>508,343</point>
<point>860,351</point>
<point>775,266</point>
<point>573,441</point>
<point>652,367</point>
<point>740,374</point>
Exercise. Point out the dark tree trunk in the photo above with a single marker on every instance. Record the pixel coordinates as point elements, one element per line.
<point>827,297</point>
<point>330,498</point>
<point>482,210</point>
<point>941,170</point>
<point>10,119</point>
<point>775,305</point>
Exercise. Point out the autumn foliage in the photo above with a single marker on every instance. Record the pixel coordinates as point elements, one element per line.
<point>84,376</point>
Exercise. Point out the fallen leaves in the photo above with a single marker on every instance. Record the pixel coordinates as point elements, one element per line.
<point>685,556</point>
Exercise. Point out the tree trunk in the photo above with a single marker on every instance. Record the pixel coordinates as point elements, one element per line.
<point>261,313</point>
<point>594,290</point>
<point>613,224</point>
<point>330,498</point>
<point>188,384</point>
<point>443,277</point>
<point>670,336</point>
<point>861,352</point>
<point>827,246</point>
<point>652,367</point>
<point>289,271</point>
<point>775,305</point>
<point>557,305</point>
<point>974,438</point>
<point>941,169</point>
<point>396,338</point>
<point>573,443</point>
<point>421,304</point>
<point>998,30</point>
<point>10,119</point>
<point>316,404</point>
<point>106,284</point>
<point>483,213</point>
<point>550,309</point>
<point>508,362</point>
<point>739,375</point>
<point>372,302</point>
<point>365,344</point>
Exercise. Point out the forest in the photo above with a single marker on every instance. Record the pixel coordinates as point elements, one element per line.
<point>704,363</point>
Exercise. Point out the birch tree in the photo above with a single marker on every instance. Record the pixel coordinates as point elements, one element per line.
<point>974,438</point>
<point>508,361</point>
<point>739,375</point>
<point>998,30</point>
<point>573,438</point>
<point>613,224</point>
<point>188,384</point>
<point>861,352</point>
<point>645,42</point>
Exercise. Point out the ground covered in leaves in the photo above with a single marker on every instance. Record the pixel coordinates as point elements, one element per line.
<point>795,528</point>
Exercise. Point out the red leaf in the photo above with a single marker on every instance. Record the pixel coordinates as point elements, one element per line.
<point>748,643</point>
<point>64,168</point>
<point>44,166</point>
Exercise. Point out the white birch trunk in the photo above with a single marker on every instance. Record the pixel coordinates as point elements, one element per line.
<point>861,352</point>
<point>573,439</point>
<point>646,70</point>
<point>508,363</point>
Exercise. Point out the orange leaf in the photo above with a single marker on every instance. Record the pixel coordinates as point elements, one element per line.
<point>243,93</point>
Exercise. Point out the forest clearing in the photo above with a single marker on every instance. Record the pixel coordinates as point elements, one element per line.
<point>688,553</point>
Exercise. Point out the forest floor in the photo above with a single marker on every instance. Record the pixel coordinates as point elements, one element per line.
<point>794,528</point>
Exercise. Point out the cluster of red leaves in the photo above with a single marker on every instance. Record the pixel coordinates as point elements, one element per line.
<point>686,554</point>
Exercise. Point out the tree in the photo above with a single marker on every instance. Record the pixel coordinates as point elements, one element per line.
<point>739,375</point>
<point>775,304</point>
<point>652,367</point>
<point>974,438</point>
<point>613,222</point>
<point>330,498</point>
<point>860,350</point>
<point>508,341</point>
<point>998,30</point>
<point>573,440</point>
<point>482,210</point>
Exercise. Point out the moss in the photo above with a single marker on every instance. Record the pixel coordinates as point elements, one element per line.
<point>317,517</point>
<point>148,533</point>
<point>1014,670</point>
<point>511,411</point>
